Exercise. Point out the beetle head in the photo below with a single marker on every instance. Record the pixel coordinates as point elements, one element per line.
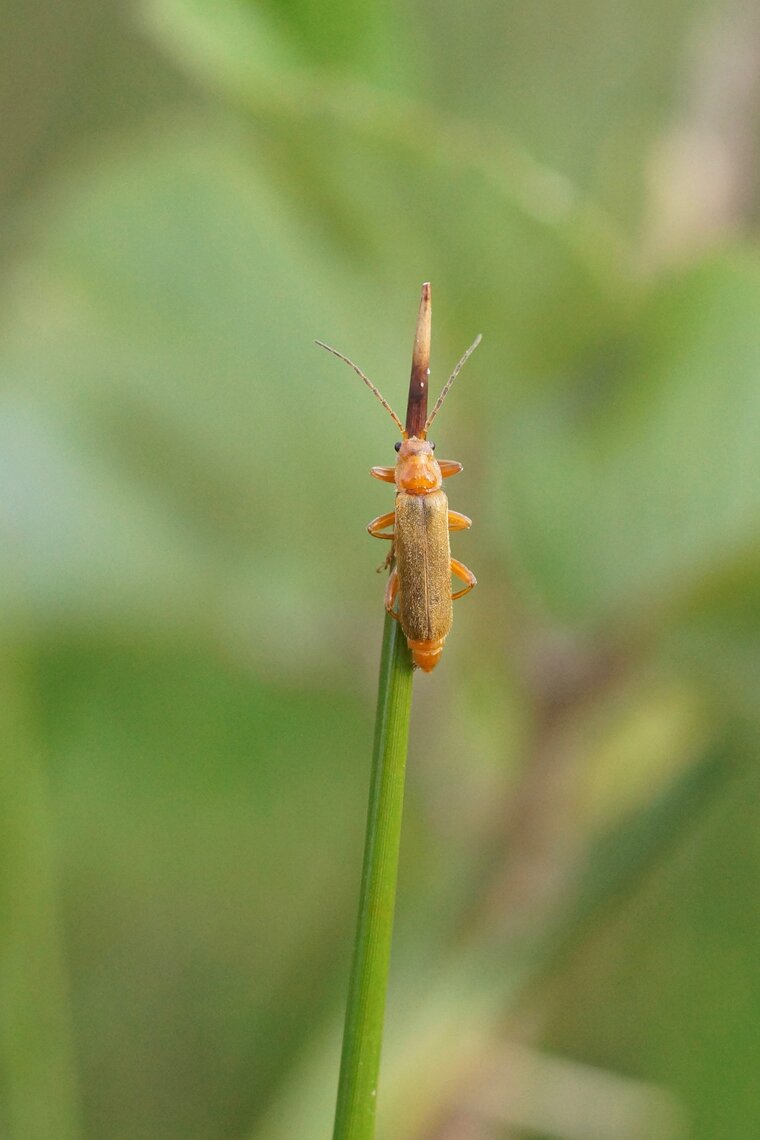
<point>417,471</point>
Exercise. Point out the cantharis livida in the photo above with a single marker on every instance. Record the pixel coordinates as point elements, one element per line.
<point>419,587</point>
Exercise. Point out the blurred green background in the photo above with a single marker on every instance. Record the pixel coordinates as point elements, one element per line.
<point>191,192</point>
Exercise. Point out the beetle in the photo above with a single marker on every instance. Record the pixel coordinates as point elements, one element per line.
<point>420,557</point>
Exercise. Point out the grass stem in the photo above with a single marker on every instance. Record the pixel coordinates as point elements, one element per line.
<point>363,1032</point>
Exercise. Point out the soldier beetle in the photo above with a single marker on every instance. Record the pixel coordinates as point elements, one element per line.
<point>420,557</point>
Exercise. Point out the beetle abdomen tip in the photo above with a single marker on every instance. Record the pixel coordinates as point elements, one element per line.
<point>426,654</point>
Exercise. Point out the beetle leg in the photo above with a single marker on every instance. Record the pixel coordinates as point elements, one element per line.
<point>385,565</point>
<point>375,528</point>
<point>460,571</point>
<point>391,590</point>
<point>459,522</point>
<point>449,467</point>
<point>387,474</point>
<point>380,523</point>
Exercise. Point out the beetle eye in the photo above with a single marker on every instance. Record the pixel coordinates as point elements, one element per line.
<point>397,445</point>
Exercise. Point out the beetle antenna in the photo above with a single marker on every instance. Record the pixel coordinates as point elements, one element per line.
<point>451,380</point>
<point>367,381</point>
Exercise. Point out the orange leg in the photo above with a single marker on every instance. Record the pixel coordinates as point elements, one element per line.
<point>387,474</point>
<point>391,590</point>
<point>458,522</point>
<point>449,467</point>
<point>380,523</point>
<point>465,575</point>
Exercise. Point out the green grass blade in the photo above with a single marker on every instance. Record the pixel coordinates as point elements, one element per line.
<point>363,1032</point>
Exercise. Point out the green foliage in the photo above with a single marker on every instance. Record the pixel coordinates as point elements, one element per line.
<point>190,614</point>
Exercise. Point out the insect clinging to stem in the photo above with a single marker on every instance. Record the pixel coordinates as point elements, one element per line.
<point>420,556</point>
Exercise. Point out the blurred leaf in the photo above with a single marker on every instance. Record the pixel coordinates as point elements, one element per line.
<point>667,989</point>
<point>40,1095</point>
<point>625,510</point>
<point>719,638</point>
<point>168,434</point>
<point>210,828</point>
<point>589,87</point>
<point>358,123</point>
